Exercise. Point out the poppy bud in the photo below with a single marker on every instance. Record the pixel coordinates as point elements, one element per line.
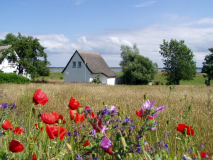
<point>167,122</point>
<point>123,142</point>
<point>190,108</point>
<point>39,125</point>
<point>145,96</point>
<point>59,121</point>
<point>104,103</point>
<point>79,109</point>
<point>31,146</point>
<point>119,114</point>
<point>123,112</point>
<point>119,108</point>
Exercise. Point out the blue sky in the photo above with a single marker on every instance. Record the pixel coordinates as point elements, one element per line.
<point>63,26</point>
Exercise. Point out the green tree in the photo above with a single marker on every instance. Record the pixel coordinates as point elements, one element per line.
<point>208,66</point>
<point>136,68</point>
<point>31,55</point>
<point>178,61</point>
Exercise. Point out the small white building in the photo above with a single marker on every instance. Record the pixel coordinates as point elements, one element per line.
<point>7,66</point>
<point>84,66</point>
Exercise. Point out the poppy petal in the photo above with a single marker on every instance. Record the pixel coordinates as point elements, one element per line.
<point>48,118</point>
<point>74,104</point>
<point>40,97</point>
<point>7,125</point>
<point>16,146</point>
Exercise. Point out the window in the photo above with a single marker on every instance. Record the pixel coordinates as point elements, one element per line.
<point>74,65</point>
<point>79,64</point>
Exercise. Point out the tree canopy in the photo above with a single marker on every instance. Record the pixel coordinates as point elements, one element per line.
<point>31,55</point>
<point>178,61</point>
<point>136,68</point>
<point>208,65</point>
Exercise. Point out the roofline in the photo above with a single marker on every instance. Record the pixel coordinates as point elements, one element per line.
<point>71,59</point>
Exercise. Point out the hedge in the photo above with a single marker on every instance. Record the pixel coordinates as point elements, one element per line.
<point>13,78</point>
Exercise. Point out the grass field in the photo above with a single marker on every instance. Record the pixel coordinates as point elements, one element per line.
<point>129,98</point>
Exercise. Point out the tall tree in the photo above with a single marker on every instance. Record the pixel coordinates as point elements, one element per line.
<point>31,55</point>
<point>208,66</point>
<point>178,61</point>
<point>136,68</point>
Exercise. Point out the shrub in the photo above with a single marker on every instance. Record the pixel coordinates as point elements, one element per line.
<point>13,78</point>
<point>96,80</point>
<point>61,78</point>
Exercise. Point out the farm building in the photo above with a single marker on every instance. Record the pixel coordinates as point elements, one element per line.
<point>84,66</point>
<point>7,66</point>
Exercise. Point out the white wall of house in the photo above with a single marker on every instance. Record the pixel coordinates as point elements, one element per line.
<point>10,67</point>
<point>111,81</point>
<point>76,73</point>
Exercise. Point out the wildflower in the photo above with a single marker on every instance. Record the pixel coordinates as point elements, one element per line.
<point>104,129</point>
<point>18,130</point>
<point>48,118</point>
<point>58,116</point>
<point>98,126</point>
<point>148,105</point>
<point>74,104</point>
<point>204,155</point>
<point>57,131</point>
<point>40,97</point>
<point>78,118</point>
<point>16,146</point>
<point>109,151</point>
<point>0,105</point>
<point>86,143</point>
<point>7,125</point>
<point>153,128</point>
<point>181,128</point>
<point>105,143</point>
<point>5,105</point>
<point>90,112</point>
<point>141,113</point>
<point>93,132</point>
<point>34,157</point>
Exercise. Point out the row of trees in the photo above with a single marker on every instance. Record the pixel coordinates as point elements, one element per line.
<point>177,59</point>
<point>31,55</point>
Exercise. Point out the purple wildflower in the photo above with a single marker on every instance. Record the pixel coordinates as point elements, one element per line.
<point>93,132</point>
<point>148,105</point>
<point>127,119</point>
<point>104,128</point>
<point>153,128</point>
<point>105,143</point>
<point>160,109</point>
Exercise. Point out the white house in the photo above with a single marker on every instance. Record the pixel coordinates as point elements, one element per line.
<point>7,66</point>
<point>77,71</point>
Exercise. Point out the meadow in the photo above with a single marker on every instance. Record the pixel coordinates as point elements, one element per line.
<point>184,104</point>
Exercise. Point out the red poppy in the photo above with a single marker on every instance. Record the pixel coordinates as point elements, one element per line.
<point>139,113</point>
<point>34,157</point>
<point>58,116</point>
<point>48,118</point>
<point>55,131</point>
<point>74,104</point>
<point>86,143</point>
<point>92,114</point>
<point>204,154</point>
<point>79,118</point>
<point>16,146</point>
<point>7,125</point>
<point>38,128</point>
<point>98,129</point>
<point>40,97</point>
<point>181,128</point>
<point>109,151</point>
<point>18,130</point>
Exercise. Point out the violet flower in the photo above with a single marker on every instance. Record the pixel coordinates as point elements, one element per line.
<point>104,128</point>
<point>93,132</point>
<point>105,143</point>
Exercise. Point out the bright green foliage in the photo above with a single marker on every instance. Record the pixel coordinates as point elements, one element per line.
<point>178,61</point>
<point>30,52</point>
<point>137,69</point>
<point>13,78</point>
<point>208,65</point>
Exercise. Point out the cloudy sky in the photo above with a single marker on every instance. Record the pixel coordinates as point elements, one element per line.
<point>63,26</point>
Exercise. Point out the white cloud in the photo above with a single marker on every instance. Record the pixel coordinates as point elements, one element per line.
<point>60,48</point>
<point>146,4</point>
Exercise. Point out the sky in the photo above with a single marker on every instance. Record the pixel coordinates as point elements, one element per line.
<point>64,26</point>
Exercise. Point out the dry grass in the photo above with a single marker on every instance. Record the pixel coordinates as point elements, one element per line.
<point>129,98</point>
